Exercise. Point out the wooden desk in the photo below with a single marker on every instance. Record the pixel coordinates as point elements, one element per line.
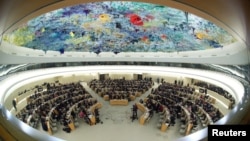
<point>92,120</point>
<point>166,119</point>
<point>106,97</point>
<point>164,127</point>
<point>132,98</point>
<point>188,130</point>
<point>216,95</point>
<point>210,121</point>
<point>145,114</point>
<point>189,122</point>
<point>119,102</point>
<point>48,122</point>
<point>28,120</point>
<point>187,113</point>
<point>49,128</point>
<point>71,125</point>
<point>141,107</point>
<point>143,118</point>
<point>138,94</point>
<point>95,106</point>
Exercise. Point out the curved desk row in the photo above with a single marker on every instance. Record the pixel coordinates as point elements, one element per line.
<point>219,97</point>
<point>98,105</point>
<point>51,123</point>
<point>188,119</point>
<point>122,102</point>
<point>208,120</point>
<point>166,119</point>
<point>91,116</point>
<point>145,114</point>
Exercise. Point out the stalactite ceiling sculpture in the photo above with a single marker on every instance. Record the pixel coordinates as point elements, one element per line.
<point>119,26</point>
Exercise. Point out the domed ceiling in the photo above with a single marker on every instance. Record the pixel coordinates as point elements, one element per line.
<point>119,27</point>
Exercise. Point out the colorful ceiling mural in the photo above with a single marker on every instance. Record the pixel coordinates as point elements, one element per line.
<point>119,26</point>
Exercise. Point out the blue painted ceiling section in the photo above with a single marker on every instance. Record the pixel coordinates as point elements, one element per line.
<point>119,26</point>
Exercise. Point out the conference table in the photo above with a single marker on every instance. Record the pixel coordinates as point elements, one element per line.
<point>122,102</point>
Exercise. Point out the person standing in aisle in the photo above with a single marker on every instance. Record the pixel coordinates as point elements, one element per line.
<point>14,104</point>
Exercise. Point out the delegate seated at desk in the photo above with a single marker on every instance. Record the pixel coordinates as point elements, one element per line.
<point>86,116</point>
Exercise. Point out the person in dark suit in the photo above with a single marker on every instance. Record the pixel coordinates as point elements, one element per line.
<point>172,120</point>
<point>14,104</point>
<point>134,114</point>
<point>44,123</point>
